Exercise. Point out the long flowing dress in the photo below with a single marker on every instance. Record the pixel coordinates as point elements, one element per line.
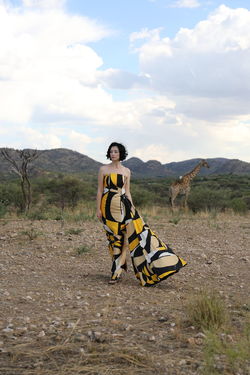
<point>153,260</point>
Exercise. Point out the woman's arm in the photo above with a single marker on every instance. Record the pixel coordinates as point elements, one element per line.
<point>127,187</point>
<point>99,194</point>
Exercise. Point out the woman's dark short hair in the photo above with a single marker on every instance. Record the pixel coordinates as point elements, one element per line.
<point>121,148</point>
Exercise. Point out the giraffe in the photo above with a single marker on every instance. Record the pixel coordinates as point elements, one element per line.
<point>182,185</point>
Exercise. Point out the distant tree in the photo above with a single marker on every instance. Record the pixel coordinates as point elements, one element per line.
<point>65,191</point>
<point>20,165</point>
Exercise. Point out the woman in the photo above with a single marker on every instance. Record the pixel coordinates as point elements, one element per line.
<point>152,260</point>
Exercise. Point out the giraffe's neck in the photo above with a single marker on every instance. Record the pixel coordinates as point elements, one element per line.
<point>189,176</point>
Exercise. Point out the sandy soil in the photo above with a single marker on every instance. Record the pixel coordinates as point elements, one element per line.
<point>58,315</point>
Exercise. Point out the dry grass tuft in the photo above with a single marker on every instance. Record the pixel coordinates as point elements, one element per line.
<point>206,311</point>
<point>88,359</point>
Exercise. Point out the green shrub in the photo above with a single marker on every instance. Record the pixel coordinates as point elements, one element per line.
<point>175,220</point>
<point>11,195</point>
<point>230,355</point>
<point>239,205</point>
<point>141,197</point>
<point>202,199</point>
<point>82,249</point>
<point>32,234</point>
<point>74,231</point>
<point>3,210</point>
<point>37,215</point>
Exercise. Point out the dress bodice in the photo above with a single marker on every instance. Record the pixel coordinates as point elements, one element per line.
<point>113,181</point>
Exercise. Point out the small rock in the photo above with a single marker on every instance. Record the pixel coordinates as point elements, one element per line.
<point>163,319</point>
<point>115,321</point>
<point>38,364</point>
<point>182,362</point>
<point>245,259</point>
<point>200,335</point>
<point>152,338</point>
<point>80,337</point>
<point>41,334</point>
<point>95,336</point>
<point>191,340</point>
<point>7,330</point>
<point>198,341</point>
<point>21,330</point>
<point>129,327</point>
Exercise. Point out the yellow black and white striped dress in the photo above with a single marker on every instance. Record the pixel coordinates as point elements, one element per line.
<point>152,259</point>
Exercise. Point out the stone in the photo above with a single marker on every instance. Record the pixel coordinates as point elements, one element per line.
<point>182,362</point>
<point>163,319</point>
<point>41,334</point>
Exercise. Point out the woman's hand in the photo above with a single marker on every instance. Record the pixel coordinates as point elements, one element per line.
<point>99,214</point>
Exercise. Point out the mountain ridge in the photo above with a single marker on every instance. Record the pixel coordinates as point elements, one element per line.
<point>63,160</point>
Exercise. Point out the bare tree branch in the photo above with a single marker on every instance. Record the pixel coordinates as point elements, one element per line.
<point>26,156</point>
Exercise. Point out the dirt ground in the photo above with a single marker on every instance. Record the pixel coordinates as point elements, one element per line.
<point>59,315</point>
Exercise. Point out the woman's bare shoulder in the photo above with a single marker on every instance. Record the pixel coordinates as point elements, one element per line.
<point>127,172</point>
<point>104,169</point>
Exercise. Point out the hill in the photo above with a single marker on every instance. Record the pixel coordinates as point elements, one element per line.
<point>68,161</point>
<point>217,166</point>
<point>56,160</point>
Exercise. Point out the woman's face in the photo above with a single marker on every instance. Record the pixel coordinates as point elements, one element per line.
<point>114,153</point>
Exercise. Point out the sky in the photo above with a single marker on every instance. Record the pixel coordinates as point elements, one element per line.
<point>170,79</point>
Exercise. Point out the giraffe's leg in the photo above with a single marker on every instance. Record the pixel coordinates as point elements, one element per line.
<point>173,201</point>
<point>186,199</point>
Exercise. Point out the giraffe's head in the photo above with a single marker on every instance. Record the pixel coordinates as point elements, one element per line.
<point>204,163</point>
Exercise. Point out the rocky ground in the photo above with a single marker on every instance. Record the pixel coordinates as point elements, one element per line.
<point>59,316</point>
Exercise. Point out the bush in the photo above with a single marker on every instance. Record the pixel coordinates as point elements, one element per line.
<point>3,210</point>
<point>239,205</point>
<point>201,199</point>
<point>66,191</point>
<point>37,215</point>
<point>11,195</point>
<point>207,311</point>
<point>82,249</point>
<point>141,197</point>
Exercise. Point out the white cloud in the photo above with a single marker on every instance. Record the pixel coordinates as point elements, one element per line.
<point>27,137</point>
<point>198,139</point>
<point>208,61</point>
<point>118,79</point>
<point>45,63</point>
<point>159,152</point>
<point>52,88</point>
<point>48,72</point>
<point>186,4</point>
<point>43,3</point>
